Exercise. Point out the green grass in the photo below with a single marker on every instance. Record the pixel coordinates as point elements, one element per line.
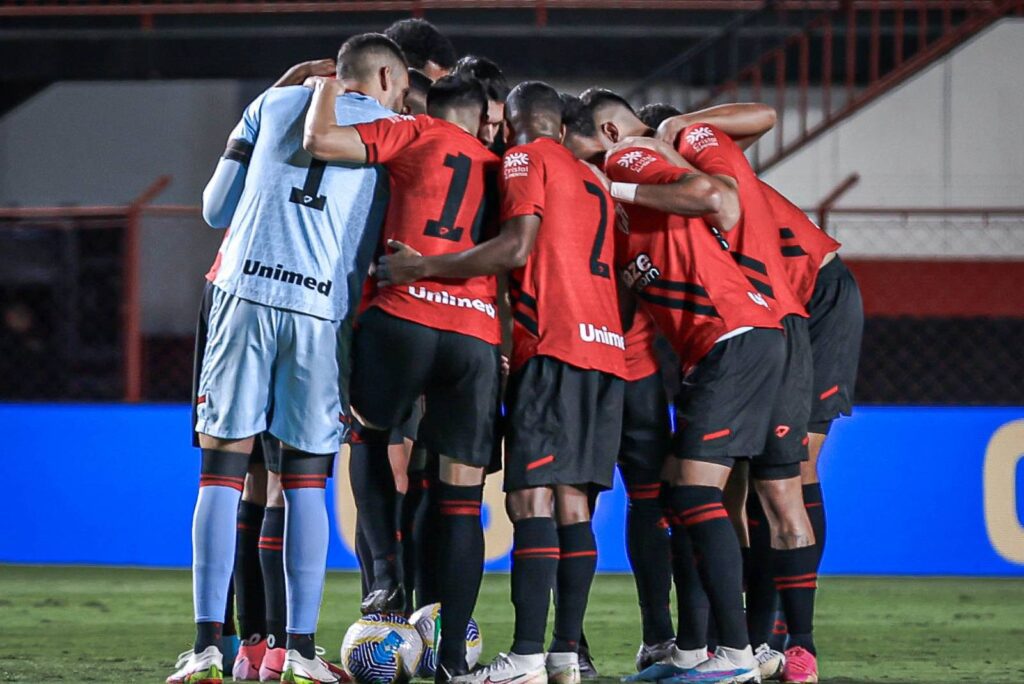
<point>72,624</point>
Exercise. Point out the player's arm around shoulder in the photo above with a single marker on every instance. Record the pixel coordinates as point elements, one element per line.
<point>642,175</point>
<point>322,136</point>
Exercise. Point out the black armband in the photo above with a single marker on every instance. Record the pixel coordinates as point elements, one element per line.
<point>239,150</point>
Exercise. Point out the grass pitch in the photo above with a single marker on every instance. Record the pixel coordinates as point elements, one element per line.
<point>74,624</point>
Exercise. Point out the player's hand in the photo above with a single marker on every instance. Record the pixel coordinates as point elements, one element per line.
<point>402,266</point>
<point>505,366</point>
<point>671,127</point>
<point>297,74</point>
<point>316,82</point>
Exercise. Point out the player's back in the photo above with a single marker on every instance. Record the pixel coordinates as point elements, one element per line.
<point>302,235</point>
<point>565,302</point>
<point>803,244</point>
<point>443,197</point>
<point>754,241</point>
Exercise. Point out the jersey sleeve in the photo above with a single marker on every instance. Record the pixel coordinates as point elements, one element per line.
<point>243,135</point>
<point>709,149</point>
<point>386,138</point>
<point>522,183</point>
<point>643,166</point>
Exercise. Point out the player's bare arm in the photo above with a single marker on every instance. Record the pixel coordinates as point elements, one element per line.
<point>297,74</point>
<point>323,137</point>
<point>744,122</point>
<point>507,251</point>
<point>693,194</point>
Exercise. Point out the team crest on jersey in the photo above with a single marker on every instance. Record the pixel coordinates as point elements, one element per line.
<point>640,272</point>
<point>758,299</point>
<point>701,138</point>
<point>636,160</point>
<point>516,165</point>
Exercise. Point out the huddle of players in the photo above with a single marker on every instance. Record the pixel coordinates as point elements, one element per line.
<point>711,258</point>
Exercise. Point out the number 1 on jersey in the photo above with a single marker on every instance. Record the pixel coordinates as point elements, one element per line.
<point>444,227</point>
<point>307,195</point>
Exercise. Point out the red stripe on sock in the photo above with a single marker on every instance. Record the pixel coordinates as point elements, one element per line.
<point>218,482</point>
<point>578,554</point>
<point>460,510</point>
<point>460,502</point>
<point>546,549</point>
<point>794,578</point>
<point>753,523</point>
<point>322,484</point>
<point>704,517</point>
<point>698,509</point>
<point>271,539</point>
<point>201,399</point>
<point>798,585</point>
<point>813,504</point>
<point>271,547</point>
<point>645,495</point>
<point>717,435</point>
<point>834,389</point>
<point>540,462</point>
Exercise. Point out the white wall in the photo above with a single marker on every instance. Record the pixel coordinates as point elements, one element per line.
<point>949,136</point>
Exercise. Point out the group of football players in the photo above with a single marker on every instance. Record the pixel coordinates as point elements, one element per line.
<point>397,219</point>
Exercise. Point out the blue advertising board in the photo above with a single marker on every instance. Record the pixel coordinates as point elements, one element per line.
<point>914,491</point>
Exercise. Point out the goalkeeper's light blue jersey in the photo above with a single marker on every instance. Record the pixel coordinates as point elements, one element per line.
<point>304,231</point>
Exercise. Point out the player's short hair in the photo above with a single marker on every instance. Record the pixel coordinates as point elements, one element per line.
<point>597,98</point>
<point>653,114</point>
<point>360,56</point>
<point>577,117</point>
<point>488,73</point>
<point>450,92</point>
<point>532,98</point>
<point>419,82</point>
<point>422,42</point>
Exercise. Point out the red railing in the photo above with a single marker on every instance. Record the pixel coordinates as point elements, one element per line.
<point>128,218</point>
<point>863,76</point>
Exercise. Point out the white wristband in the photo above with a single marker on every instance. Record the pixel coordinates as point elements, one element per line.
<point>625,192</point>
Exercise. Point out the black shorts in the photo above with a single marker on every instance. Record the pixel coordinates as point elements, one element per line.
<point>266,448</point>
<point>410,426</point>
<point>725,404</point>
<point>646,433</point>
<point>836,327</point>
<point>563,426</point>
<point>396,361</point>
<point>787,434</point>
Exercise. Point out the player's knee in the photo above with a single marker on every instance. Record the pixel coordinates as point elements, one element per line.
<point>305,470</point>
<point>782,497</point>
<point>535,502</point>
<point>223,469</point>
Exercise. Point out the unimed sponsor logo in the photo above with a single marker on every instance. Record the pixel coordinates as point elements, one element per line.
<point>591,333</point>
<point>280,274</point>
<point>448,299</point>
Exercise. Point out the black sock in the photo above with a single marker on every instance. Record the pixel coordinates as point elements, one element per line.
<point>718,553</point>
<point>208,634</point>
<point>365,559</point>
<point>229,612</point>
<point>305,644</point>
<point>649,550</point>
<point>410,542</point>
<point>373,486</point>
<point>534,568</point>
<point>796,580</point>
<point>577,563</point>
<point>815,505</point>
<point>761,597</point>
<point>427,525</point>
<point>272,563</point>
<point>252,604</point>
<point>461,567</point>
<point>691,600</point>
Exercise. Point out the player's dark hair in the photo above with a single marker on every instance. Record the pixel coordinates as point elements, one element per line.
<point>487,72</point>
<point>596,98</point>
<point>577,116</point>
<point>530,98</point>
<point>653,114</point>
<point>419,82</point>
<point>451,92</point>
<point>422,42</point>
<point>361,55</point>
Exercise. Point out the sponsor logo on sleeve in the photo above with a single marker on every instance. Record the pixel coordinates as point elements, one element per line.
<point>516,165</point>
<point>758,299</point>
<point>636,160</point>
<point>701,138</point>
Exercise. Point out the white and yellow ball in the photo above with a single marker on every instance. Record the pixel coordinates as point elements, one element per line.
<point>427,621</point>
<point>381,648</point>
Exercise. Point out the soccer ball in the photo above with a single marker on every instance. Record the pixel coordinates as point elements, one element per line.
<point>381,648</point>
<point>427,621</point>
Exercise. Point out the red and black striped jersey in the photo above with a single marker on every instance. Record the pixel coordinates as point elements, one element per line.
<point>680,272</point>
<point>564,300</point>
<point>440,176</point>
<point>754,240</point>
<point>804,245</point>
